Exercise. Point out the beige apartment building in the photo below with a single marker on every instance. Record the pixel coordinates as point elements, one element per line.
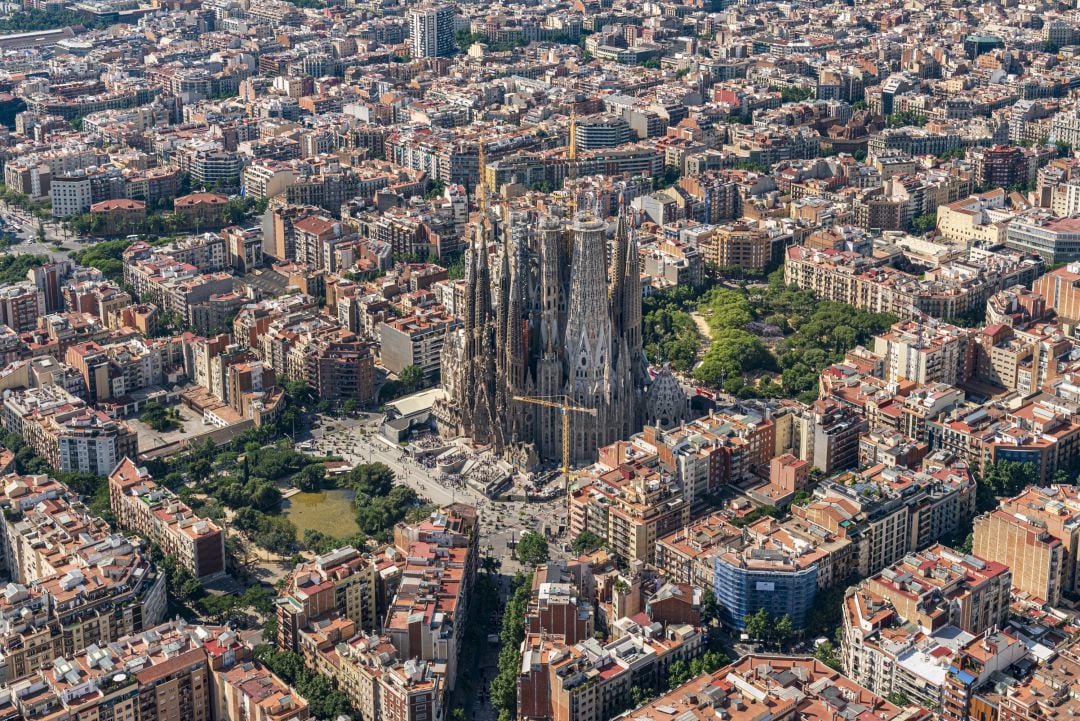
<point>1036,557</point>
<point>142,505</point>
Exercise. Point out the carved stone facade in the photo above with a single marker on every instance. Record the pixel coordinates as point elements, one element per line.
<point>548,316</point>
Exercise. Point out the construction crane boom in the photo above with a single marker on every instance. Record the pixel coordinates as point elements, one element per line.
<point>566,406</point>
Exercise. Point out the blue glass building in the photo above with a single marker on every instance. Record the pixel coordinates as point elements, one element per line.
<point>745,581</point>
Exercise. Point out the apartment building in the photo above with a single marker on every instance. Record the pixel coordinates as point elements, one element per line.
<point>1056,508</point>
<point>1038,433</point>
<point>628,501</point>
<point>166,671</point>
<point>416,340</point>
<point>333,361</point>
<point>431,31</point>
<point>774,686</point>
<point>1045,692</point>
<point>927,351</point>
<point>315,238</point>
<point>252,692</point>
<point>934,667</point>
<point>938,586</point>
<point>342,582</point>
<point>74,582</point>
<point>1036,557</point>
<point>368,669</point>
<point>591,679</point>
<point>1060,288</point>
<point>175,287</point>
<point>67,433</point>
<point>206,251</point>
<point>243,248</point>
<point>687,554</point>
<point>1057,240</point>
<point>1001,166</point>
<point>427,615</point>
<point>76,192</point>
<point>976,219</point>
<point>140,504</point>
<point>888,512</point>
<point>890,448</point>
<point>21,304</point>
<point>119,369</point>
<point>99,298</point>
<point>950,291</point>
<point>1025,527</point>
<point>766,575</point>
<point>561,601</point>
<point>709,452</point>
<point>827,435</point>
<point>1019,308</point>
<point>738,245</point>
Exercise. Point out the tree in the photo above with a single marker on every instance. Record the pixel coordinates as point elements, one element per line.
<point>504,685</point>
<point>826,653</point>
<point>906,118</point>
<point>310,478</point>
<point>218,607</point>
<point>1002,478</point>
<point>371,479</point>
<point>710,608</point>
<point>924,223</point>
<point>671,336</point>
<point>755,515</point>
<point>25,21</point>
<point>412,378</point>
<point>157,417</point>
<point>324,700</point>
<point>490,565</point>
<point>758,625</point>
<point>532,548</point>
<point>783,631</point>
<point>586,542</point>
<point>671,176</point>
<point>708,662</point>
<point>678,674</point>
<point>436,189</point>
<point>639,695</point>
<point>897,698</point>
<point>794,95</point>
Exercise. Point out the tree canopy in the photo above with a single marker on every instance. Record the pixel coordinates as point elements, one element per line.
<point>532,548</point>
<point>808,334</point>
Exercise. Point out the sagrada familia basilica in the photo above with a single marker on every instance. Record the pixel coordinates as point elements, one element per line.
<point>552,310</point>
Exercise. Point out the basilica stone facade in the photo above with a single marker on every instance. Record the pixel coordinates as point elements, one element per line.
<point>553,310</point>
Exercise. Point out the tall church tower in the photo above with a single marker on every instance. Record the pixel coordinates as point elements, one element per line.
<point>549,317</point>
<point>551,302</point>
<point>631,367</point>
<point>480,414</point>
<point>588,338</point>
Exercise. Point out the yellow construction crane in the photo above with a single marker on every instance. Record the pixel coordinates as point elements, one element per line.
<point>566,405</point>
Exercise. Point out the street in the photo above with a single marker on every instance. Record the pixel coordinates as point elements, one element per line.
<point>24,226</point>
<point>502,522</point>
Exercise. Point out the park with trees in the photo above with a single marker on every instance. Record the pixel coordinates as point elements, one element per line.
<point>773,340</point>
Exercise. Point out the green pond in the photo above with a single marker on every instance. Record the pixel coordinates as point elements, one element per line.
<point>331,512</point>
